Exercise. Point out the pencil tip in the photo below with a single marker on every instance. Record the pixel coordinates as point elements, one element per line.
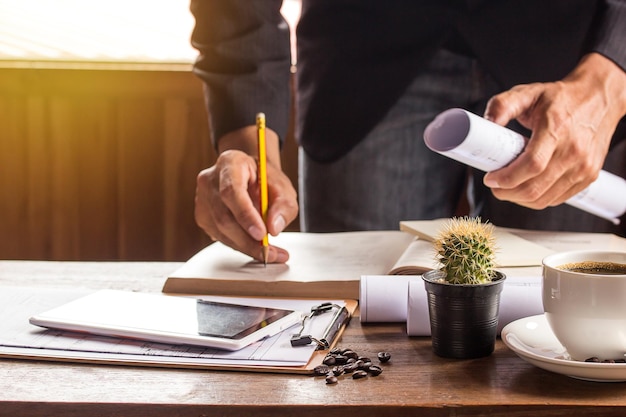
<point>266,253</point>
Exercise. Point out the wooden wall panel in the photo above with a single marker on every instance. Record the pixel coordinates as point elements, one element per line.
<point>64,174</point>
<point>183,155</point>
<point>140,179</point>
<point>37,176</point>
<point>100,165</point>
<point>13,169</point>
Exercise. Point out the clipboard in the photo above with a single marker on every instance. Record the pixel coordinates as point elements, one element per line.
<point>19,303</point>
<point>334,334</point>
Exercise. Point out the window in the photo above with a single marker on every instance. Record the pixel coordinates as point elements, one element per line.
<point>102,31</point>
<point>105,31</point>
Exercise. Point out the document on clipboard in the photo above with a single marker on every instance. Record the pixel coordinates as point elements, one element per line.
<point>22,340</point>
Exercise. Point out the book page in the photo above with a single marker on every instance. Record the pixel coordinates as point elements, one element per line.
<point>512,250</point>
<point>313,257</point>
<point>567,241</point>
<point>418,258</point>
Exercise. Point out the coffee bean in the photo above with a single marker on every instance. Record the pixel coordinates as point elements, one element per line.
<point>350,354</point>
<point>331,379</point>
<point>337,370</point>
<point>329,360</point>
<point>321,370</point>
<point>375,370</point>
<point>359,374</point>
<point>595,359</point>
<point>384,357</point>
<point>349,368</point>
<point>340,359</point>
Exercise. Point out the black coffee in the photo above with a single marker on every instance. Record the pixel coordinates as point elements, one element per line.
<point>595,267</point>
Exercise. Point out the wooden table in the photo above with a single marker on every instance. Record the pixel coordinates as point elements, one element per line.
<point>415,382</point>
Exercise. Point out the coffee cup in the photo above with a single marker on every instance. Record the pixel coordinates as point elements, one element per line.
<point>584,299</point>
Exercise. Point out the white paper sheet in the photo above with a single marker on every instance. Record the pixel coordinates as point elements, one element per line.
<point>383,298</point>
<point>484,145</point>
<point>418,319</point>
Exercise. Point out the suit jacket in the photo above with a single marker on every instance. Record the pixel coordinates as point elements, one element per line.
<point>357,57</point>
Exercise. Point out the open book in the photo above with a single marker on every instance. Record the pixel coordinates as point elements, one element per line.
<point>321,265</point>
<point>326,264</point>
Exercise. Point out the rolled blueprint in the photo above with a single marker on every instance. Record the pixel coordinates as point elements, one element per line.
<point>383,298</point>
<point>484,145</point>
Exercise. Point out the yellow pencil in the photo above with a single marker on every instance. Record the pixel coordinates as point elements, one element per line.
<point>262,180</point>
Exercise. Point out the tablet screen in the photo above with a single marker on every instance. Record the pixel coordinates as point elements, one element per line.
<point>234,321</point>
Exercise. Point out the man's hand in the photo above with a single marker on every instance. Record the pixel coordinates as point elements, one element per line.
<point>572,122</point>
<point>227,199</point>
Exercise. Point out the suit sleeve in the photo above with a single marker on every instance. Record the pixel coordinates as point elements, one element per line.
<point>244,61</point>
<point>610,36</point>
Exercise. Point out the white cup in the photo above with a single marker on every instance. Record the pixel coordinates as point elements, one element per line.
<point>586,311</point>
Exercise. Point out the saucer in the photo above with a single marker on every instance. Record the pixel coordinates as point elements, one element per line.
<point>532,340</point>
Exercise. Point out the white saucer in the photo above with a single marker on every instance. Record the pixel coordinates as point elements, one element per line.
<point>532,340</point>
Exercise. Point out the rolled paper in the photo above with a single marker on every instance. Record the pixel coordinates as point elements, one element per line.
<point>383,298</point>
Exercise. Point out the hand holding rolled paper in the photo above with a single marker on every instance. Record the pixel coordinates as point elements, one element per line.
<point>484,145</point>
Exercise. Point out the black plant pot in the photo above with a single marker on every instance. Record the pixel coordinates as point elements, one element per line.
<point>463,318</point>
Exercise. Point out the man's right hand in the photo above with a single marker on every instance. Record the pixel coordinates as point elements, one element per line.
<point>227,203</point>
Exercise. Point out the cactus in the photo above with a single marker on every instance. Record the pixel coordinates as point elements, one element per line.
<point>466,251</point>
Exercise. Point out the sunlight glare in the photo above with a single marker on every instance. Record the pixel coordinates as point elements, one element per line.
<point>115,30</point>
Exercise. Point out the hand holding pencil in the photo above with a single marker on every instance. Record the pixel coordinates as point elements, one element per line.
<point>227,203</point>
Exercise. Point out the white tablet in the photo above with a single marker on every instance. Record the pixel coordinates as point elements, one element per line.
<point>168,319</point>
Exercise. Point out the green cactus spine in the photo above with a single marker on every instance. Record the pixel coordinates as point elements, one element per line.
<point>466,251</point>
